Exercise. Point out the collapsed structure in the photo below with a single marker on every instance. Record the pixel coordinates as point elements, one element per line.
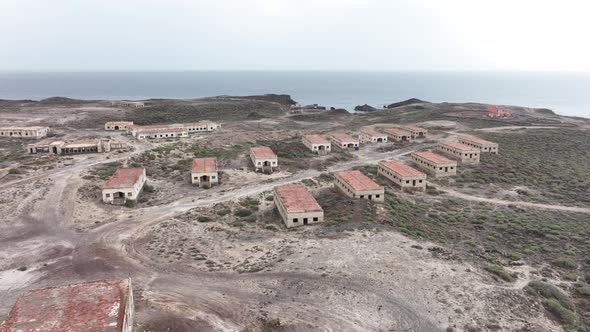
<point>317,144</point>
<point>75,147</point>
<point>124,185</point>
<point>355,184</point>
<point>175,130</point>
<point>345,141</point>
<point>118,125</point>
<point>481,144</point>
<point>435,165</point>
<point>204,172</point>
<point>24,132</point>
<point>264,159</point>
<point>416,132</point>
<point>91,306</point>
<point>406,177</point>
<point>372,136</point>
<point>399,135</point>
<point>297,206</point>
<point>463,153</point>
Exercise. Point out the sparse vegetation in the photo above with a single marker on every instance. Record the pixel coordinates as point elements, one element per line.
<point>499,272</point>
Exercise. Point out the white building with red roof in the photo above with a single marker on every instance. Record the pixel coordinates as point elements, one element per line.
<point>317,144</point>
<point>204,172</point>
<point>124,185</point>
<point>462,152</point>
<point>297,206</point>
<point>264,159</point>
<point>372,136</point>
<point>434,164</point>
<point>481,144</point>
<point>345,141</point>
<point>406,177</point>
<point>416,132</point>
<point>355,184</point>
<point>399,135</point>
<point>105,306</point>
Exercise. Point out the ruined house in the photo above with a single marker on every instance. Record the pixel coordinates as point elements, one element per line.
<point>175,130</point>
<point>416,132</point>
<point>118,125</point>
<point>264,159</point>
<point>399,135</point>
<point>434,164</point>
<point>24,132</point>
<point>103,306</point>
<point>204,172</point>
<point>404,176</point>
<point>481,144</point>
<point>297,206</point>
<point>372,136</point>
<point>125,185</point>
<point>355,184</point>
<point>463,153</point>
<point>75,147</point>
<point>317,144</point>
<point>344,141</point>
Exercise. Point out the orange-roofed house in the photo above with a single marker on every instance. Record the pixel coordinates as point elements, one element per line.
<point>264,159</point>
<point>102,306</point>
<point>124,185</point>
<point>372,136</point>
<point>345,141</point>
<point>406,177</point>
<point>317,144</point>
<point>297,206</point>
<point>434,164</point>
<point>204,172</point>
<point>399,135</point>
<point>462,152</point>
<point>481,144</point>
<point>416,132</point>
<point>355,184</point>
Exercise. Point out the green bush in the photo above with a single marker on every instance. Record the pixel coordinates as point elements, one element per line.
<point>548,291</point>
<point>242,212</point>
<point>565,263</point>
<point>583,288</point>
<point>250,219</point>
<point>223,212</point>
<point>564,314</point>
<point>130,203</point>
<point>269,198</point>
<point>499,272</point>
<point>203,219</point>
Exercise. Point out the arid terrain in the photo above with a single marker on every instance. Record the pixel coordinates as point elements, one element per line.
<point>502,246</point>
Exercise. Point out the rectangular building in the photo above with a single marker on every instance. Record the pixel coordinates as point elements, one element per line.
<point>174,130</point>
<point>124,185</point>
<point>75,147</point>
<point>416,132</point>
<point>126,103</point>
<point>105,306</point>
<point>464,153</point>
<point>345,141</point>
<point>434,164</point>
<point>118,125</point>
<point>406,177</point>
<point>317,144</point>
<point>24,132</point>
<point>372,136</point>
<point>355,184</point>
<point>163,132</point>
<point>204,172</point>
<point>399,135</point>
<point>264,159</point>
<point>481,144</point>
<point>297,206</point>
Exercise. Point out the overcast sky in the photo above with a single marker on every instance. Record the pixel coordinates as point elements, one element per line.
<point>295,35</point>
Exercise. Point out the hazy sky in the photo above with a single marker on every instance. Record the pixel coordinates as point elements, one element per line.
<point>295,34</point>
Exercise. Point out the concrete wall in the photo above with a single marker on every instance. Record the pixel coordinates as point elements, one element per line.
<point>131,193</point>
<point>372,139</point>
<point>400,138</point>
<point>345,145</point>
<point>371,195</point>
<point>436,170</point>
<point>465,157</point>
<point>404,182</point>
<point>303,218</point>
<point>129,312</point>
<point>24,132</point>
<point>213,179</point>
<point>123,126</point>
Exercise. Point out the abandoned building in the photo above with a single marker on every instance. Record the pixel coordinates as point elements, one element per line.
<point>264,159</point>
<point>161,133</point>
<point>317,144</point>
<point>125,185</point>
<point>464,153</point>
<point>91,306</point>
<point>125,103</point>
<point>118,125</point>
<point>345,141</point>
<point>24,132</point>
<point>201,126</point>
<point>481,144</point>
<point>416,132</point>
<point>372,136</point>
<point>434,164</point>
<point>498,112</point>
<point>75,147</point>
<point>398,135</point>
<point>175,130</point>
<point>297,206</point>
<point>406,177</point>
<point>355,184</point>
<point>204,172</point>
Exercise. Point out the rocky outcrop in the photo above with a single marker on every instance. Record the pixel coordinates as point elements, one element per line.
<point>410,101</point>
<point>365,108</point>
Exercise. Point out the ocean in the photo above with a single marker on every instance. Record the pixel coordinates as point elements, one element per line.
<point>565,93</point>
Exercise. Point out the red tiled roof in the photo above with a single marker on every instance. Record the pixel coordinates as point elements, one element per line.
<point>92,306</point>
<point>358,181</point>
<point>124,178</point>
<point>397,132</point>
<point>476,140</point>
<point>400,168</point>
<point>263,152</point>
<point>413,128</point>
<point>204,165</point>
<point>316,139</point>
<point>296,198</point>
<point>344,137</point>
<point>458,146</point>
<point>435,158</point>
<point>372,133</point>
